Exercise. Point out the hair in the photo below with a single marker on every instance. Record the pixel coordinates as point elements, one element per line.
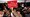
<point>14,8</point>
<point>18,9</point>
<point>1,7</point>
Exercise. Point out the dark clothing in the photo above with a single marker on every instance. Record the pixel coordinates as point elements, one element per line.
<point>5,15</point>
<point>27,15</point>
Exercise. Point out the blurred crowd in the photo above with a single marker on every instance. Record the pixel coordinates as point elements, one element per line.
<point>21,11</point>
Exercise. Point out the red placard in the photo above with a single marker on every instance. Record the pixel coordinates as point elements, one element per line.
<point>12,0</point>
<point>12,4</point>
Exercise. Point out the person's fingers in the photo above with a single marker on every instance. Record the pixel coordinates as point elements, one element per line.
<point>11,8</point>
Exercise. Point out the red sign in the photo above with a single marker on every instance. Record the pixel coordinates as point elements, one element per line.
<point>12,0</point>
<point>12,4</point>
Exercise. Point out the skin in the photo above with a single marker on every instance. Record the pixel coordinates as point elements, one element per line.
<point>1,13</point>
<point>19,14</point>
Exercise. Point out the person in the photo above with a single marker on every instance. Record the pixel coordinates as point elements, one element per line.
<point>16,14</point>
<point>1,10</point>
<point>5,11</point>
<point>19,14</point>
<point>28,12</point>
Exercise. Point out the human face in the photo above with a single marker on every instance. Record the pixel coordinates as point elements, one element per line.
<point>18,12</point>
<point>1,14</point>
